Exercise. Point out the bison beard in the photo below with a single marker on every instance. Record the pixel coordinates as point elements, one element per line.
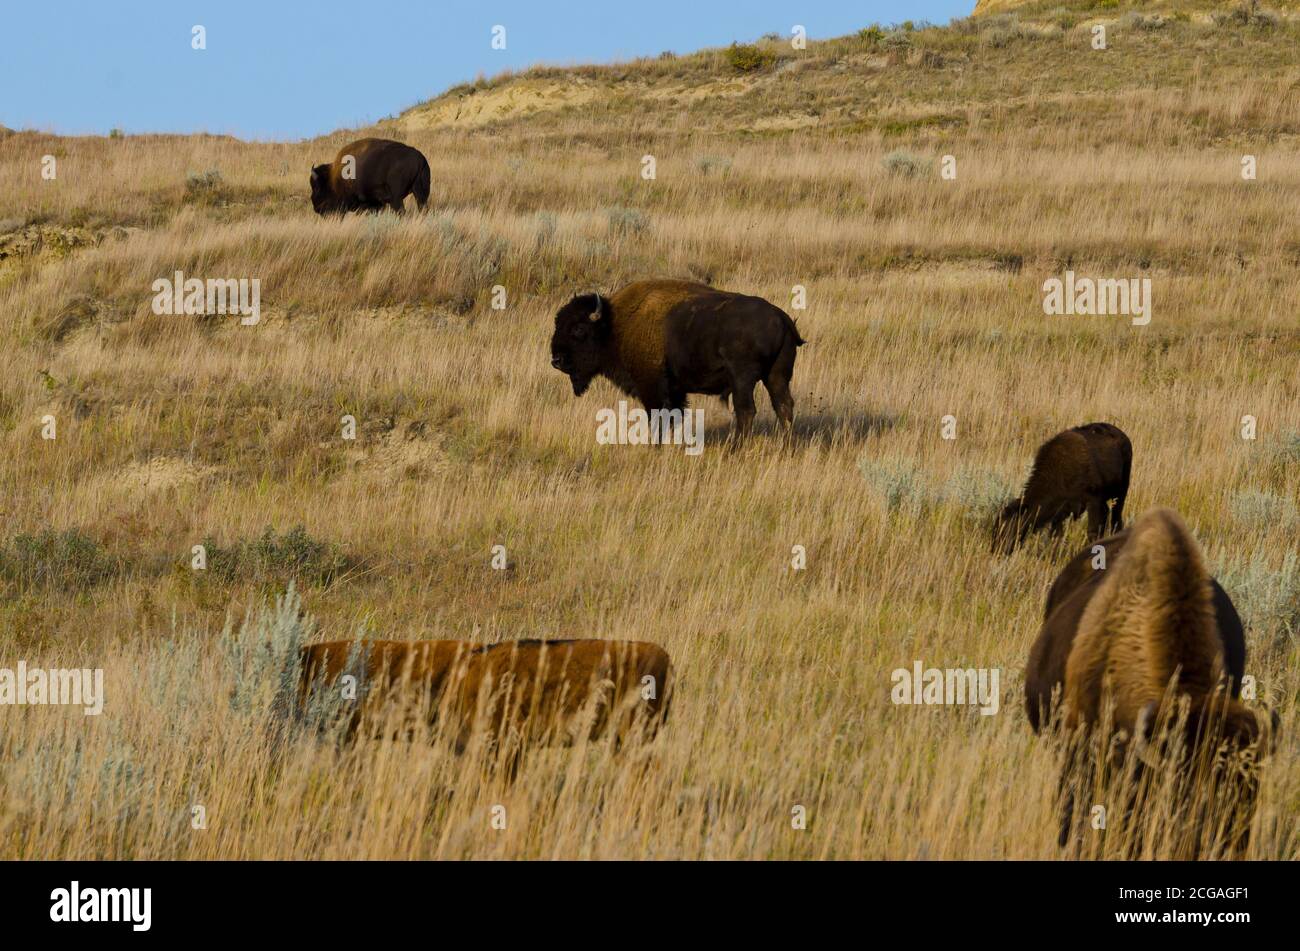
<point>660,340</point>
<point>1137,646</point>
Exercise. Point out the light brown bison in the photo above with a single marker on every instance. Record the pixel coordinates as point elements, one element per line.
<point>660,340</point>
<point>369,175</point>
<point>1140,645</point>
<point>531,691</point>
<point>1076,472</point>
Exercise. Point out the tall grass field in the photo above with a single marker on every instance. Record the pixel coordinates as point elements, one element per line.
<point>913,187</point>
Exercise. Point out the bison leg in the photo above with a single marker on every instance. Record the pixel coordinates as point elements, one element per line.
<point>1076,772</point>
<point>668,397</point>
<point>1116,520</point>
<point>777,382</point>
<point>742,399</point>
<point>1098,517</point>
<point>1065,804</point>
<point>778,389</point>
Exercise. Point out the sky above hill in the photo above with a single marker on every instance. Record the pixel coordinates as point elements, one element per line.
<point>275,70</point>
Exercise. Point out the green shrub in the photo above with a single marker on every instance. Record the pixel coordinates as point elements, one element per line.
<point>980,492</point>
<point>1262,509</point>
<point>1248,14</point>
<point>1268,600</point>
<point>277,558</point>
<point>197,182</point>
<point>69,560</point>
<point>898,483</point>
<point>263,658</point>
<point>709,163</point>
<point>902,162</point>
<point>1133,20</point>
<point>871,35</point>
<point>747,58</point>
<point>205,188</point>
<point>1002,29</point>
<point>896,40</point>
<point>1287,450</point>
<point>626,220</point>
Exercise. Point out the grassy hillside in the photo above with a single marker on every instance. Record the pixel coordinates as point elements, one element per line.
<point>774,168</point>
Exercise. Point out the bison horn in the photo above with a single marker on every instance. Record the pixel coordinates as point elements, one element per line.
<point>599,312</point>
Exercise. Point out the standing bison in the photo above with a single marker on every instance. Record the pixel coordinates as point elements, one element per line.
<point>659,340</point>
<point>1075,472</point>
<point>1150,640</point>
<point>369,175</point>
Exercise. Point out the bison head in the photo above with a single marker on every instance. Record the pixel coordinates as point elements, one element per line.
<point>582,330</point>
<point>1010,527</point>
<point>322,195</point>
<point>1212,721</point>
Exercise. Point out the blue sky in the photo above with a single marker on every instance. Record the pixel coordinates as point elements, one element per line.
<point>279,70</point>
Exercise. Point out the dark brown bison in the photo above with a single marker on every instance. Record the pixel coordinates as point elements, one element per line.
<point>536,692</point>
<point>1119,637</point>
<point>1076,472</point>
<point>659,340</point>
<point>369,175</point>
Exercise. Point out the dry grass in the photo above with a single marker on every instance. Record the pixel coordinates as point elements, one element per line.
<point>924,300</point>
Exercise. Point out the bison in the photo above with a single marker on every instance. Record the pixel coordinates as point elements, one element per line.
<point>1075,472</point>
<point>368,175</point>
<point>659,340</point>
<point>1119,636</point>
<point>534,691</point>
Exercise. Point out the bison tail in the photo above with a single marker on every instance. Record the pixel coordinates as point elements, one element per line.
<point>422,184</point>
<point>1153,616</point>
<point>794,331</point>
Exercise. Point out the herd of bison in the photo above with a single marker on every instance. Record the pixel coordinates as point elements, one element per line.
<point>1140,648</point>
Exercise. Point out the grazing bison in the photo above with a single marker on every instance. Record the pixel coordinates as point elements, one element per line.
<point>539,691</point>
<point>1120,635</point>
<point>1048,670</point>
<point>368,175</point>
<point>659,340</point>
<point>1075,472</point>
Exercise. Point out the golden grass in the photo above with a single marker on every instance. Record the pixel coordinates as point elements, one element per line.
<point>924,300</point>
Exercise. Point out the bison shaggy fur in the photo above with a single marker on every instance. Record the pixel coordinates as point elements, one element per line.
<point>1076,472</point>
<point>537,691</point>
<point>370,175</point>
<point>660,340</point>
<point>1131,645</point>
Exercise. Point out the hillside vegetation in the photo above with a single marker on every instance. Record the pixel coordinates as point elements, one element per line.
<point>774,167</point>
